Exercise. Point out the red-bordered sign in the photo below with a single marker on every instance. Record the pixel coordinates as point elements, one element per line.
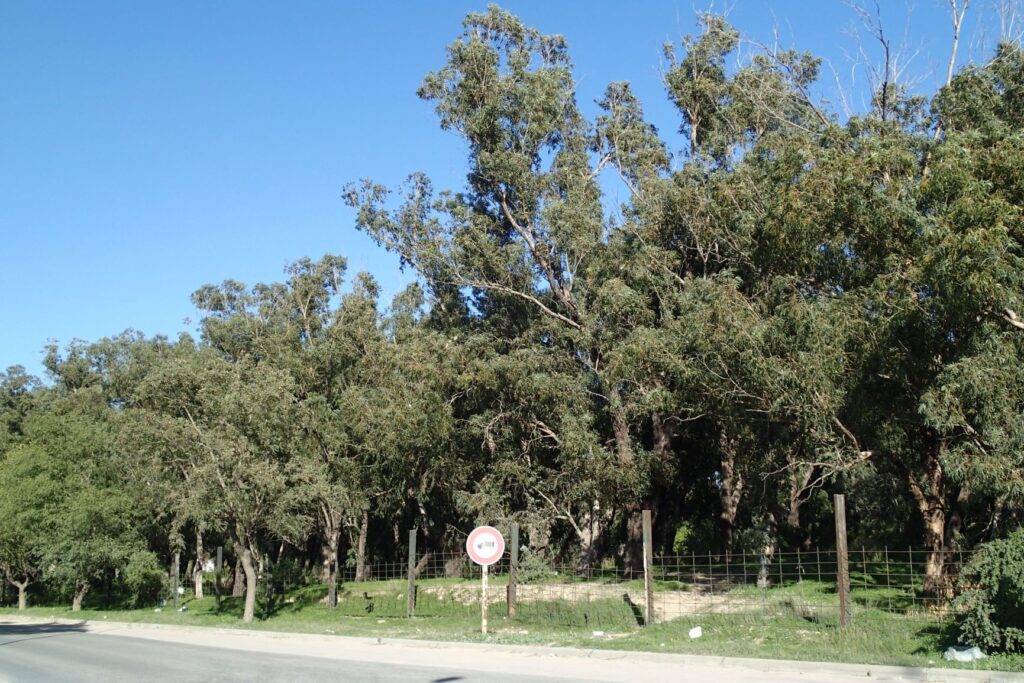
<point>485,545</point>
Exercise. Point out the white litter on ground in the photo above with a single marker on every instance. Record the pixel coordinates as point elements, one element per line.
<point>962,653</point>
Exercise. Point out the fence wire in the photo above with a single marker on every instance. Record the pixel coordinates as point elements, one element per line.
<point>801,584</point>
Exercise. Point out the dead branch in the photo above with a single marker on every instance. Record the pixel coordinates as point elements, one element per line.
<point>1011,317</point>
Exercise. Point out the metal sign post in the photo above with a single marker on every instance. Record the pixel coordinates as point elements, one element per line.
<point>175,569</point>
<point>483,600</point>
<point>485,546</point>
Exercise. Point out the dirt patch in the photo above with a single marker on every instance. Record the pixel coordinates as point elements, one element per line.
<point>668,605</point>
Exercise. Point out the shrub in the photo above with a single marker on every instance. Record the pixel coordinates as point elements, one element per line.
<point>695,538</point>
<point>990,603</point>
<point>533,567</point>
<point>143,578</point>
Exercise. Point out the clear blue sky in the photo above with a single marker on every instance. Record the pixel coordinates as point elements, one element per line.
<point>151,147</point>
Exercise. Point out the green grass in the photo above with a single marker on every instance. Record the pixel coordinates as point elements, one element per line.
<point>790,622</point>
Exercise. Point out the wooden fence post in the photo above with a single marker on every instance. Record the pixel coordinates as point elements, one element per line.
<point>513,569</point>
<point>648,570</point>
<point>842,561</point>
<point>411,599</point>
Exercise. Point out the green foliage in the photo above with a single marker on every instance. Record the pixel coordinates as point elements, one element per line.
<point>681,540</point>
<point>144,578</point>
<point>533,567</point>
<point>799,303</point>
<point>24,525</point>
<point>990,606</point>
<point>695,537</point>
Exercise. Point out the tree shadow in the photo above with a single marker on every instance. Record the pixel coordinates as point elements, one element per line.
<point>941,637</point>
<point>296,600</point>
<point>13,632</point>
<point>637,612</point>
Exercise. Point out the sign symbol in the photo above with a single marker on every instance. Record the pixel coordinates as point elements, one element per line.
<point>485,545</point>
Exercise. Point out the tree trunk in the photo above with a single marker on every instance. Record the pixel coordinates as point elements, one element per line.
<point>421,564</point>
<point>197,577</point>
<point>623,442</point>
<point>454,564</point>
<point>81,588</point>
<point>22,593</point>
<point>934,563</point>
<point>364,527</point>
<point>633,555</point>
<point>325,562</point>
<point>801,480</point>
<point>931,503</point>
<point>539,537</point>
<point>238,580</point>
<point>250,583</point>
<point>589,530</point>
<point>768,550</point>
<point>332,568</point>
<point>731,489</point>
<point>664,430</point>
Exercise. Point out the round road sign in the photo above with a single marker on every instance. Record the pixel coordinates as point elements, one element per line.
<point>485,545</point>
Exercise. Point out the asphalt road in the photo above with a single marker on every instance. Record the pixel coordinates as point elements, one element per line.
<point>31,650</point>
<point>68,653</point>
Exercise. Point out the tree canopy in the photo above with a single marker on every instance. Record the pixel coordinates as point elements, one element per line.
<point>796,303</point>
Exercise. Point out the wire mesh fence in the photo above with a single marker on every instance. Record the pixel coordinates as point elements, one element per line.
<point>883,581</point>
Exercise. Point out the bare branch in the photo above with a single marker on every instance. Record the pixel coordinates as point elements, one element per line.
<point>547,431</point>
<point>958,8</point>
<point>1012,318</point>
<point>530,237</point>
<point>480,284</point>
<point>1010,28</point>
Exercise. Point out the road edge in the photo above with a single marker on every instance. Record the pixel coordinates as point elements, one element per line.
<point>874,671</point>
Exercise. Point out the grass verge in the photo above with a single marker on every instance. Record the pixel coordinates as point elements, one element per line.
<point>446,610</point>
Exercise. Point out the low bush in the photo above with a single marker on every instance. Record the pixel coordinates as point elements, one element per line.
<point>533,567</point>
<point>144,579</point>
<point>990,602</point>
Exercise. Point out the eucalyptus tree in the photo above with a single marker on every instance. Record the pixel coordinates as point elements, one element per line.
<point>796,303</point>
<point>533,423</point>
<point>162,455</point>
<point>525,240</point>
<point>326,470</point>
<point>226,426</point>
<point>948,345</point>
<point>334,351</point>
<point>881,256</point>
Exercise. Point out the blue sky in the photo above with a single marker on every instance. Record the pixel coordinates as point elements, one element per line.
<point>149,148</point>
